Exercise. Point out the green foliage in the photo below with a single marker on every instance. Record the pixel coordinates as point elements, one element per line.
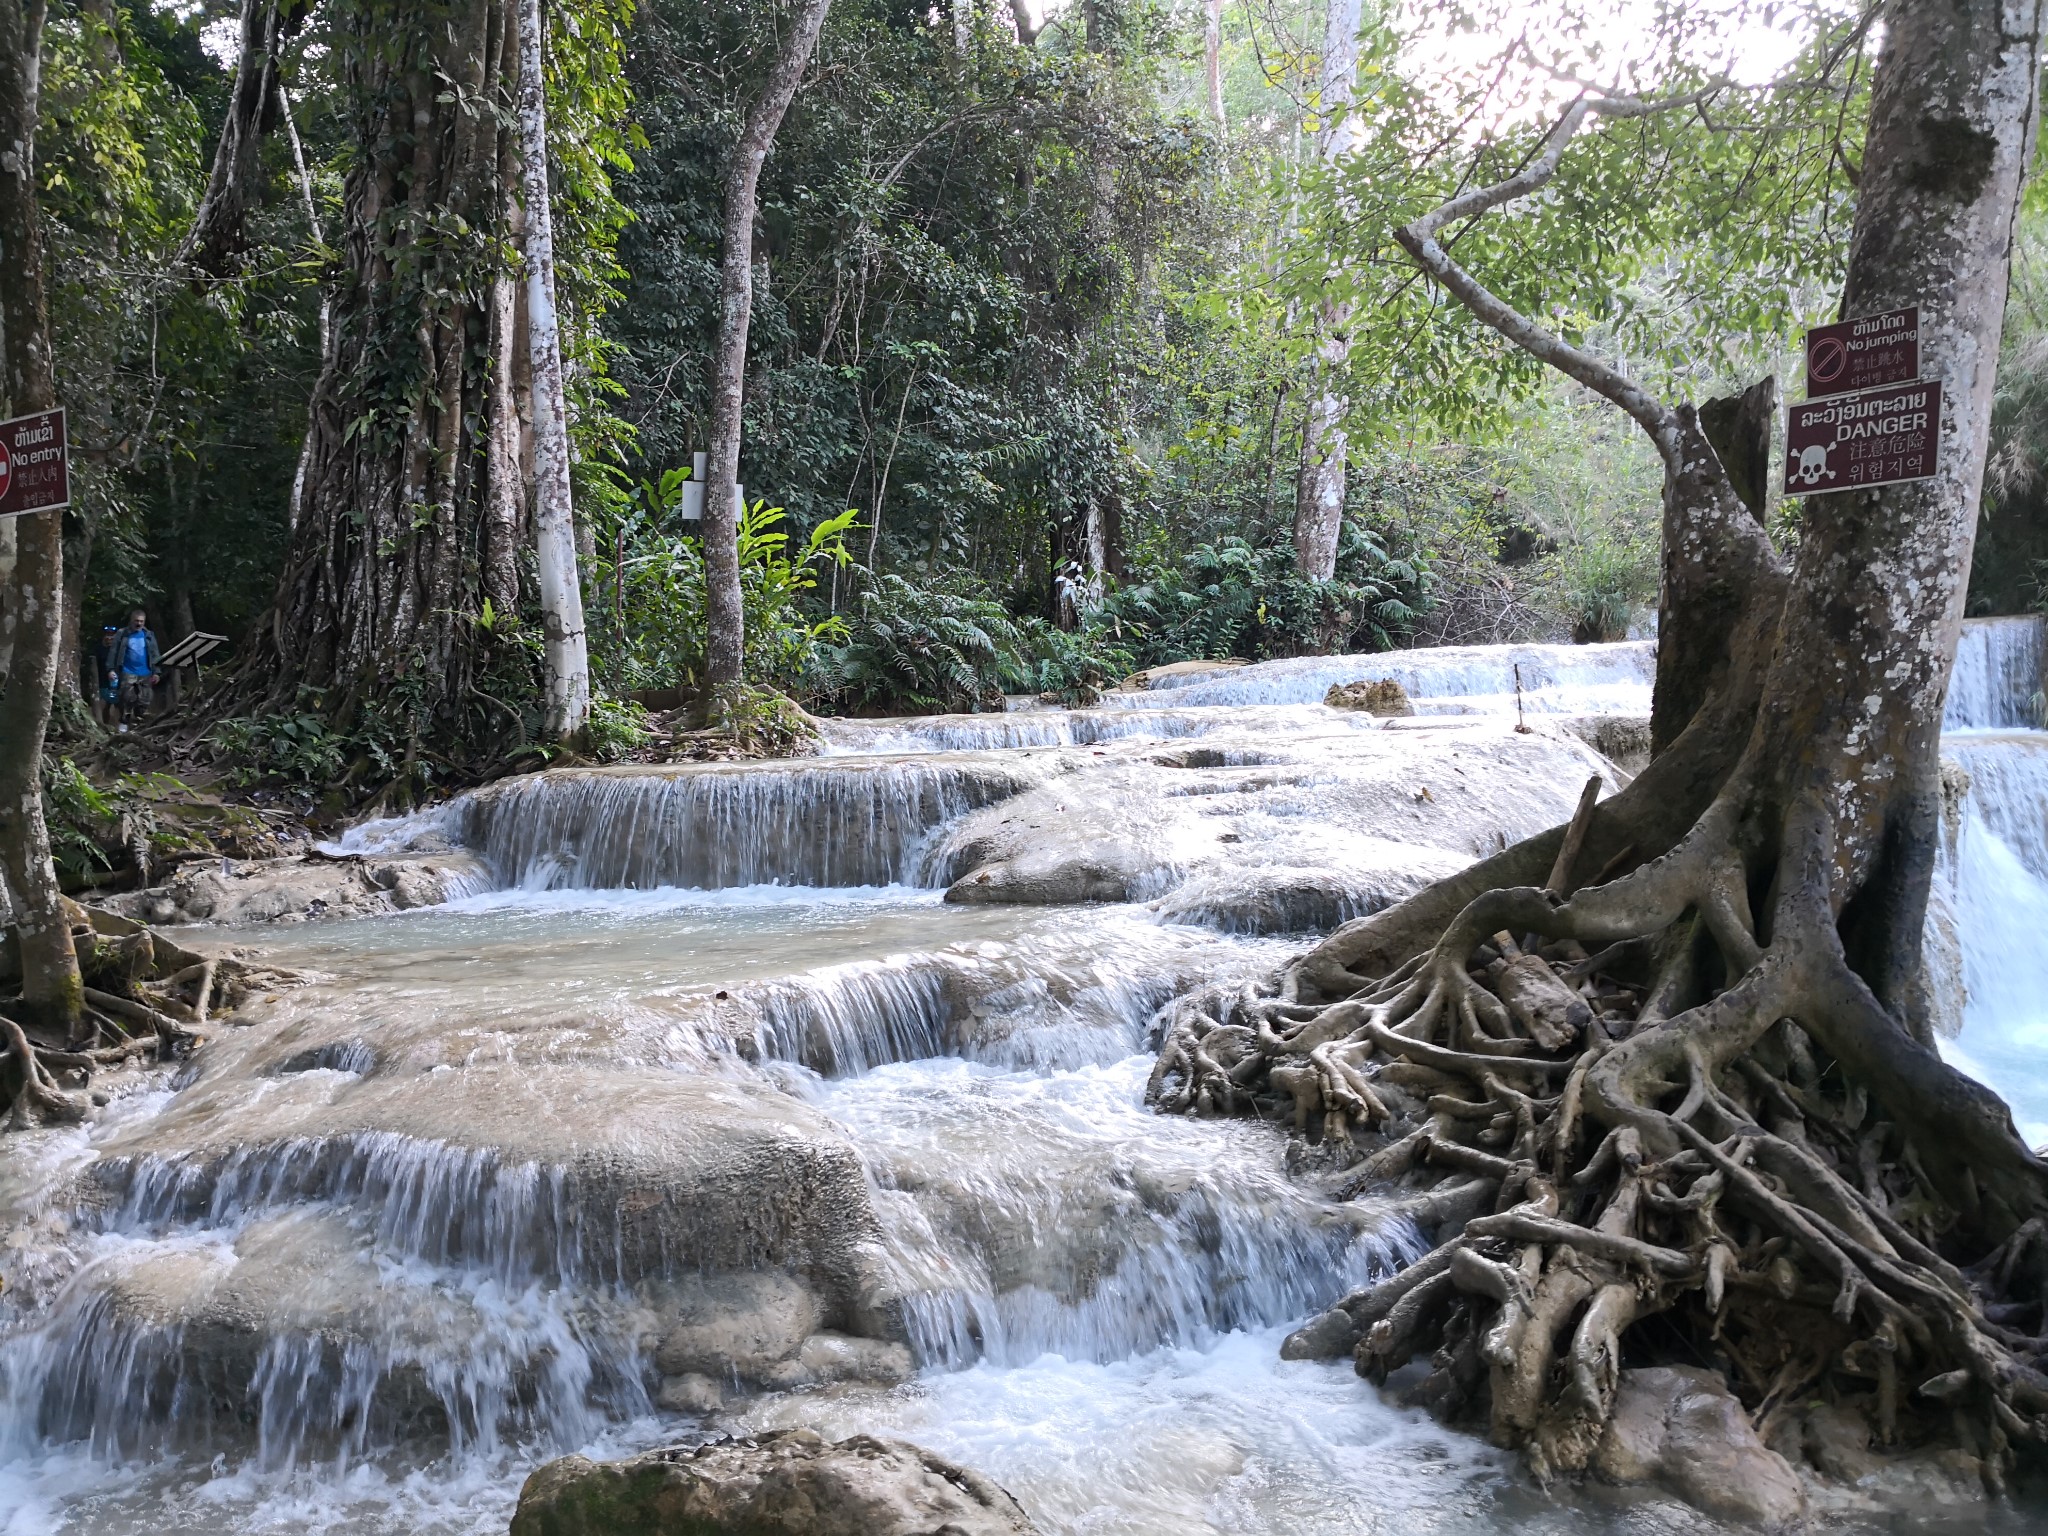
<point>926,648</point>
<point>297,748</point>
<point>1071,666</point>
<point>79,816</point>
<point>93,828</point>
<point>1233,598</point>
<point>616,728</point>
<point>647,594</point>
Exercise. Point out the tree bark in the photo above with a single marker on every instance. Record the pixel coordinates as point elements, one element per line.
<point>567,678</point>
<point>1319,493</point>
<point>725,642</point>
<point>376,604</point>
<point>32,606</point>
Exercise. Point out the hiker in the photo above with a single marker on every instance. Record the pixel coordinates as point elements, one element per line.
<point>139,675</point>
<point>107,674</point>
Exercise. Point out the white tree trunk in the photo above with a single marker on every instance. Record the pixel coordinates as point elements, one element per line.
<point>724,612</point>
<point>1212,63</point>
<point>561,592</point>
<point>1319,492</point>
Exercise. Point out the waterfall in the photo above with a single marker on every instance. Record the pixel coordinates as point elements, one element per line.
<point>1466,679</point>
<point>1997,680</point>
<point>1121,1230</point>
<point>712,827</point>
<point>1993,885</point>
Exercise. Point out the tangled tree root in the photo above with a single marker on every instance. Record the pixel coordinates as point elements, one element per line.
<point>1640,1134</point>
<point>147,1000</point>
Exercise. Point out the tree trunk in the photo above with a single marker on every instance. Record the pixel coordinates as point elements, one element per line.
<point>1319,493</point>
<point>1212,63</point>
<point>1739,930</point>
<point>217,236</point>
<point>376,605</point>
<point>32,607</point>
<point>305,180</point>
<point>561,590</point>
<point>724,618</point>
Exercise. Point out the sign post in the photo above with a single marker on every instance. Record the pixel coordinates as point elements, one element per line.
<point>1869,418</point>
<point>35,464</point>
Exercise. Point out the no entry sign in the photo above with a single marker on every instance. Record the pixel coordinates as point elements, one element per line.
<point>1863,353</point>
<point>35,468</point>
<point>1873,437</point>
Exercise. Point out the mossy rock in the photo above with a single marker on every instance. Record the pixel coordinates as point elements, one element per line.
<point>1383,697</point>
<point>792,1482</point>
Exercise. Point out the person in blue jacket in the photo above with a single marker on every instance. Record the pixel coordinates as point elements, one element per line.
<point>138,652</point>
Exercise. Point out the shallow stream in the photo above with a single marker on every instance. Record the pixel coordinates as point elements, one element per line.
<point>362,1221</point>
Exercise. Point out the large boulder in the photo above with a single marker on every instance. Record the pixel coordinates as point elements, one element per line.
<point>1681,1427</point>
<point>792,1482</point>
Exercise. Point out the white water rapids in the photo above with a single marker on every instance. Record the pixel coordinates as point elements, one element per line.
<point>398,1238</point>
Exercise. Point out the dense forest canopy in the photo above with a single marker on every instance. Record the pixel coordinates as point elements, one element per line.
<point>1028,305</point>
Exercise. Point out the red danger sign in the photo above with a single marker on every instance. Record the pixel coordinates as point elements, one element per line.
<point>35,466</point>
<point>1873,437</point>
<point>1863,353</point>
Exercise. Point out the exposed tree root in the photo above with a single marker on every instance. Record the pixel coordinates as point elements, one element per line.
<point>1622,1104</point>
<point>147,1000</point>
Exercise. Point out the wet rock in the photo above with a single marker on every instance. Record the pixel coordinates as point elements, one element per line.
<point>790,1483</point>
<point>1837,1441</point>
<point>827,1357</point>
<point>1305,899</point>
<point>1624,740</point>
<point>1383,696</point>
<point>290,890</point>
<point>735,1324</point>
<point>690,1393</point>
<point>1329,1335</point>
<point>1175,674</point>
<point>1681,1427</point>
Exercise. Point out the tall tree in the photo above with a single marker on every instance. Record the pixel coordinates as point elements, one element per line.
<point>373,607</point>
<point>1702,1149</point>
<point>1319,491</point>
<point>723,612</point>
<point>31,606</point>
<point>567,680</point>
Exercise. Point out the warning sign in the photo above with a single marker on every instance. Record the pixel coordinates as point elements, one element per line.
<point>35,466</point>
<point>1873,437</point>
<point>1864,353</point>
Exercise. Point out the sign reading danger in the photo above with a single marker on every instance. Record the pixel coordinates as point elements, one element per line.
<point>1873,437</point>
<point>35,466</point>
<point>1863,353</point>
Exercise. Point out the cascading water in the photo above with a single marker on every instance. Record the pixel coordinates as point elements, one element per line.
<point>1551,679</point>
<point>1286,697</point>
<point>440,1213</point>
<point>1993,881</point>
